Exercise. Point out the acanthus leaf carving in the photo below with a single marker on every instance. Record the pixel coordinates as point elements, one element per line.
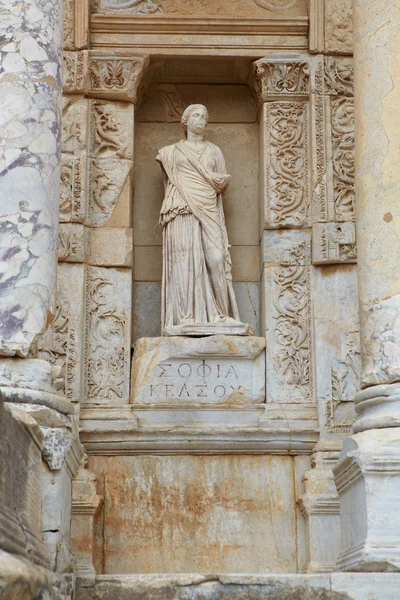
<point>278,78</point>
<point>70,243</point>
<point>116,77</point>
<point>288,170</point>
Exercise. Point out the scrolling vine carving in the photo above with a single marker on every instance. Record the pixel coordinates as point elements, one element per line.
<point>288,191</point>
<point>292,325</point>
<point>342,110</point>
<point>106,342</point>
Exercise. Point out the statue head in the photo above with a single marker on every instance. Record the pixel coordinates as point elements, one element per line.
<point>195,118</point>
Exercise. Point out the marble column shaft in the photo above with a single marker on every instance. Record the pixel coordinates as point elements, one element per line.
<point>377,122</point>
<point>367,476</point>
<point>30,97</point>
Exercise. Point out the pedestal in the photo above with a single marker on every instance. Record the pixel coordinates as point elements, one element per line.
<point>214,370</point>
<point>367,478</point>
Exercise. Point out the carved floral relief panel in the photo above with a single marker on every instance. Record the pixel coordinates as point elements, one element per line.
<point>203,8</point>
<point>108,326</point>
<point>332,110</point>
<point>285,164</point>
<point>286,307</point>
<point>96,159</point>
<point>63,342</point>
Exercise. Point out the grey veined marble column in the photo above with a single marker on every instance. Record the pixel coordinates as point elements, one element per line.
<point>368,473</point>
<point>30,115</point>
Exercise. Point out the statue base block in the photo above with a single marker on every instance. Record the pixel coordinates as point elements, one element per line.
<point>220,369</point>
<point>206,329</point>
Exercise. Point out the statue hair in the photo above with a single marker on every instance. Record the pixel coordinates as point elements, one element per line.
<point>188,111</point>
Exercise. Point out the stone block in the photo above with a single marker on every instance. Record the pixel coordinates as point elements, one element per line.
<point>367,478</point>
<point>218,369</point>
<point>245,263</point>
<point>337,346</point>
<point>282,247</point>
<point>248,301</point>
<point>20,488</point>
<point>191,514</point>
<point>109,247</point>
<point>146,322</point>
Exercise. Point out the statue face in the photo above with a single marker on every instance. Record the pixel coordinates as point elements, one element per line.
<point>198,120</point>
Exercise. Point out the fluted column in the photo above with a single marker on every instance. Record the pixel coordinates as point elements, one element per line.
<point>30,96</point>
<point>368,473</point>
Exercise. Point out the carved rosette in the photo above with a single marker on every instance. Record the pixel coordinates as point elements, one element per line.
<point>279,78</point>
<point>115,77</point>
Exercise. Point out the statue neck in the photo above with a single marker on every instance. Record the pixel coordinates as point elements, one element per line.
<point>194,138</point>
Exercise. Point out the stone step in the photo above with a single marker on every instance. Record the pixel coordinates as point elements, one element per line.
<point>335,586</point>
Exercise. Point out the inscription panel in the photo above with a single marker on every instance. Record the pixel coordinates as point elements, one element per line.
<point>162,373</point>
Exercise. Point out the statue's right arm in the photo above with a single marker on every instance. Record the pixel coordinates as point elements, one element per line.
<point>164,174</point>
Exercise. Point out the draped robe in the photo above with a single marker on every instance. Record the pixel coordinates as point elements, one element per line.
<point>197,281</point>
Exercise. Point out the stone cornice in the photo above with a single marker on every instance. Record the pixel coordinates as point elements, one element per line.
<point>133,24</point>
<point>216,36</point>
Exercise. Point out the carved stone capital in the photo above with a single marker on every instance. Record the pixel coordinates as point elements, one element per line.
<point>281,77</point>
<point>116,77</point>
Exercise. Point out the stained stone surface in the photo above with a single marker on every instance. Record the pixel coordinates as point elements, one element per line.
<point>30,95</point>
<point>190,513</point>
<point>218,369</point>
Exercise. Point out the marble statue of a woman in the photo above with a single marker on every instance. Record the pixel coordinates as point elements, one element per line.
<point>197,290</point>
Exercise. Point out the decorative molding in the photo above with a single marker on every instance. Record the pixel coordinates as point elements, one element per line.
<point>334,243</point>
<point>263,429</point>
<point>157,35</point>
<point>144,7</point>
<point>316,33</point>
<point>115,77</point>
<point>280,78</point>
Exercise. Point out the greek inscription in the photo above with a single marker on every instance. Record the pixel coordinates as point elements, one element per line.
<point>201,391</point>
<point>220,391</point>
<point>169,390</point>
<point>231,368</point>
<point>184,370</point>
<point>204,370</point>
<point>184,389</point>
<point>153,389</point>
<point>163,368</point>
